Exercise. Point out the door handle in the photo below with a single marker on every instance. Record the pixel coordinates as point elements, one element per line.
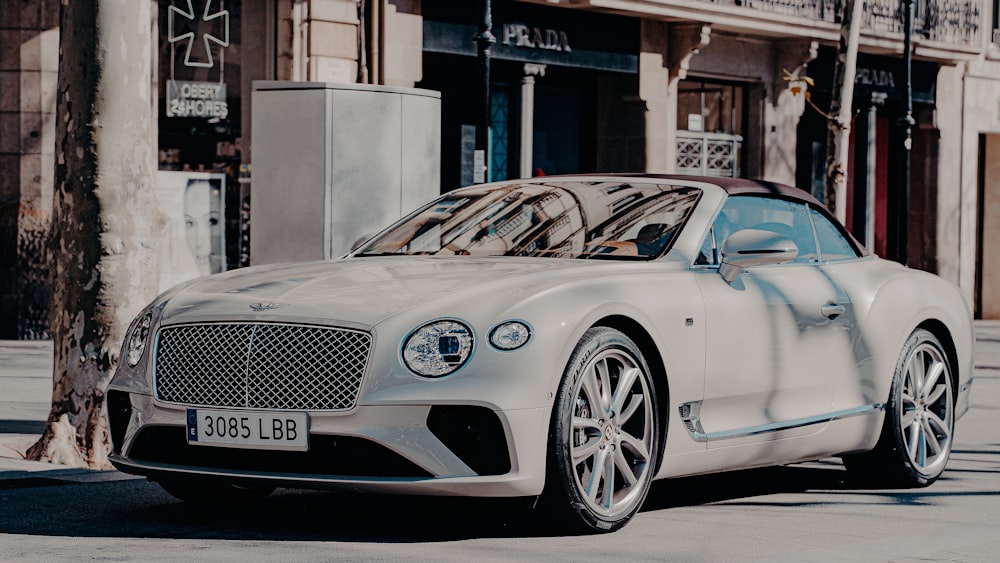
<point>833,310</point>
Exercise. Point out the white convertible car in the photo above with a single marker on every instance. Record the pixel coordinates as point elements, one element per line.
<point>570,338</point>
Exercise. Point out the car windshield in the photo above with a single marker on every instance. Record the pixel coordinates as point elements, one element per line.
<point>613,220</point>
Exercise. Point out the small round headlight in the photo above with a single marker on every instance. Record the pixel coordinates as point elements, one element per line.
<point>510,335</point>
<point>137,339</point>
<point>438,348</point>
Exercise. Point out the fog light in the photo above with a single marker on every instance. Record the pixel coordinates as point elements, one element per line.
<point>510,335</point>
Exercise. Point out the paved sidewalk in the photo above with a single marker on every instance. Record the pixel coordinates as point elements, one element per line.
<point>25,395</point>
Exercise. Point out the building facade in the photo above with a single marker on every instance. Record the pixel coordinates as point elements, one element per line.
<point>671,86</point>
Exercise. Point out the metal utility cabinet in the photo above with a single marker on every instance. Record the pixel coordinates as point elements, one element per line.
<point>332,162</point>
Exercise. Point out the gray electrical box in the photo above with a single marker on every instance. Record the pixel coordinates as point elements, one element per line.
<point>333,162</point>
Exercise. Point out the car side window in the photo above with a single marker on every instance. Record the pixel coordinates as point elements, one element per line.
<point>786,218</point>
<point>832,243</point>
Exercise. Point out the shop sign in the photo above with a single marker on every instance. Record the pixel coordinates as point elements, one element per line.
<point>196,99</point>
<point>521,35</point>
<point>876,78</point>
<point>190,21</point>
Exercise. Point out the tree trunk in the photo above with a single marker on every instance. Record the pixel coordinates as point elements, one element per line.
<point>841,104</point>
<point>106,219</point>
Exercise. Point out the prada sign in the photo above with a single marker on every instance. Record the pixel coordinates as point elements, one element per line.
<point>521,35</point>
<point>876,78</point>
<point>876,74</point>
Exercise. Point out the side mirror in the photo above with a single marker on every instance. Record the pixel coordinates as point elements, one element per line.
<point>753,247</point>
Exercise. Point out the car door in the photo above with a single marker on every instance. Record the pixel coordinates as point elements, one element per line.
<point>778,337</point>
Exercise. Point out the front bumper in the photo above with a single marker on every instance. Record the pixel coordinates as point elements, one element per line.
<point>465,450</point>
<point>962,399</point>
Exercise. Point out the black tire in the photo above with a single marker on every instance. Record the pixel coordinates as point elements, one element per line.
<point>918,431</point>
<point>197,491</point>
<point>617,437</point>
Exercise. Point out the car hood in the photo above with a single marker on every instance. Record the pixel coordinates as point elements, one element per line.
<point>364,291</point>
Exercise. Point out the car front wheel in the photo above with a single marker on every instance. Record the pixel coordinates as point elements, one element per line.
<point>603,437</point>
<point>919,426</point>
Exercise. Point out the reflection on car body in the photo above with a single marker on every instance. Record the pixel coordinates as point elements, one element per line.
<point>544,220</point>
<point>570,338</point>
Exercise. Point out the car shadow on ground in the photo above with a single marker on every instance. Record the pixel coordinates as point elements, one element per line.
<point>735,485</point>
<point>140,509</point>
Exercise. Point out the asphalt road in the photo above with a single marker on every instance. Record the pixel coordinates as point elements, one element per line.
<point>803,512</point>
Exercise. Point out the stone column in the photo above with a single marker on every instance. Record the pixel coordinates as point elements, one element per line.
<point>29,59</point>
<point>685,41</point>
<point>786,104</point>
<point>654,77</point>
<point>528,117</point>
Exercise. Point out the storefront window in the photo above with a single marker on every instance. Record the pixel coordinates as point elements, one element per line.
<point>199,136</point>
<point>710,127</point>
<point>710,107</point>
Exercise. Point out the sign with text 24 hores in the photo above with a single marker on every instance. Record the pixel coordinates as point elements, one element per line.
<point>196,99</point>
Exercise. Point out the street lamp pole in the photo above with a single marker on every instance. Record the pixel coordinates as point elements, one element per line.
<point>903,224</point>
<point>484,42</point>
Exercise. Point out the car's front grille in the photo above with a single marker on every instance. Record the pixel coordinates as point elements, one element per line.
<point>261,366</point>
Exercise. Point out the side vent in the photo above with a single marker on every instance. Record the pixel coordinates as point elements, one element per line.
<point>474,434</point>
<point>119,414</point>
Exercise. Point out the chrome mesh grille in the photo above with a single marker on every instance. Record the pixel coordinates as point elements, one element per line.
<point>261,366</point>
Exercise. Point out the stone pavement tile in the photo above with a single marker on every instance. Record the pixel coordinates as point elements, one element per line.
<point>19,479</point>
<point>16,472</point>
<point>13,446</point>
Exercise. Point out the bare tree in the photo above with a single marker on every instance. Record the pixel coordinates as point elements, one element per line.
<point>106,217</point>
<point>838,137</point>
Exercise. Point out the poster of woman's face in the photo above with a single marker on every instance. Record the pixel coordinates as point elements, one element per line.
<point>203,224</point>
<point>194,240</point>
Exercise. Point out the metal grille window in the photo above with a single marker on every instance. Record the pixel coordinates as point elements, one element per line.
<point>261,366</point>
<point>708,154</point>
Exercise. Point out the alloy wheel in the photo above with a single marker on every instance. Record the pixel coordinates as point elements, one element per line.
<point>612,437</point>
<point>926,419</point>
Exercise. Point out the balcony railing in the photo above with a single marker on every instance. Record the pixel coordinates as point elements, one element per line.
<point>955,22</point>
<point>708,154</point>
<point>826,10</point>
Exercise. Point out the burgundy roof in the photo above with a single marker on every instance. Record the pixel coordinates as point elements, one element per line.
<point>732,185</point>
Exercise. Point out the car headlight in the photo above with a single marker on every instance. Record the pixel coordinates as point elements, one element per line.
<point>438,348</point>
<point>510,335</point>
<point>137,340</point>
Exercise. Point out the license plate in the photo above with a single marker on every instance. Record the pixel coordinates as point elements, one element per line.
<point>248,429</point>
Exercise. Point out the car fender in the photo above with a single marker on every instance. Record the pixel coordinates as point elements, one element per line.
<point>890,316</point>
<point>674,324</point>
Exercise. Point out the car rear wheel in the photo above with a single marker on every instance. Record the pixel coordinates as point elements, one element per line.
<point>916,438</point>
<point>211,492</point>
<point>604,435</point>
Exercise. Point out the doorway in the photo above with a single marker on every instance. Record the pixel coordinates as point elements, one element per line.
<point>556,136</point>
<point>988,270</point>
